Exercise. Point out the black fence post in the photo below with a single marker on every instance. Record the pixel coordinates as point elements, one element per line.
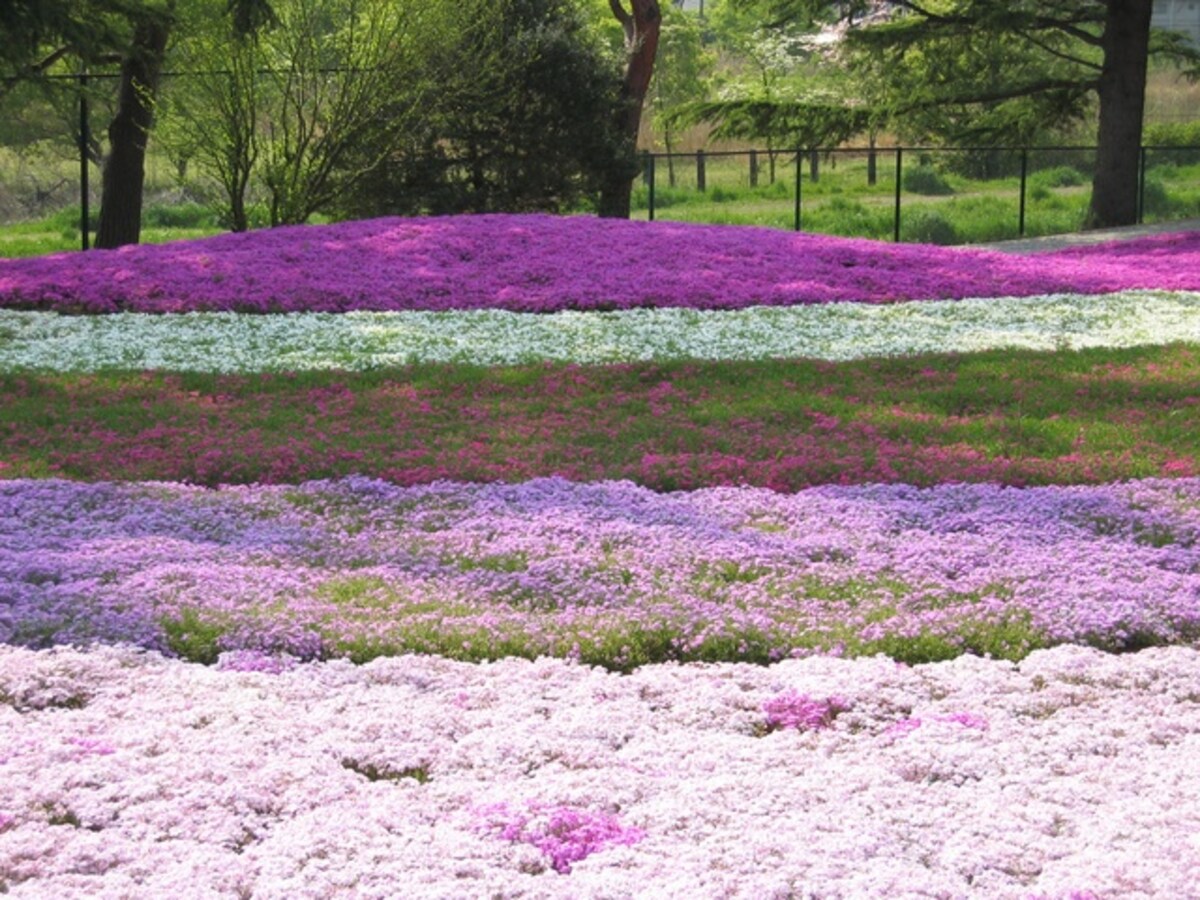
<point>84,138</point>
<point>1024,173</point>
<point>799,181</point>
<point>899,172</point>
<point>753,168</point>
<point>1141,198</point>
<point>700,175</point>
<point>650,185</point>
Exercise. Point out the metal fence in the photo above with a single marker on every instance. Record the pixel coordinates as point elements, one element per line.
<point>1009,188</point>
<point>926,194</point>
<point>57,165</point>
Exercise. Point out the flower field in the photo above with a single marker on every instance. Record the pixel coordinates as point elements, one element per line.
<point>546,264</point>
<point>359,341</point>
<point>754,565</point>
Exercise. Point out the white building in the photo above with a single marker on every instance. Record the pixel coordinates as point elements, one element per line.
<point>1178,15</point>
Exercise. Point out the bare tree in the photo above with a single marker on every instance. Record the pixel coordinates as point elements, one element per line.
<point>212,117</point>
<point>336,67</point>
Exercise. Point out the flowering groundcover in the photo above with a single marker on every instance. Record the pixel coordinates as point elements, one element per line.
<point>1069,775</point>
<point>537,263</point>
<point>608,573</point>
<point>241,343</point>
<point>1014,418</point>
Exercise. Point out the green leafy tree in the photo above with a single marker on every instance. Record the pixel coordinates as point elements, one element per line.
<point>142,62</point>
<point>333,65</point>
<point>776,90</point>
<point>681,75</point>
<point>1007,67</point>
<point>124,173</point>
<point>302,107</point>
<point>212,117</point>
<point>38,35</point>
<point>522,118</point>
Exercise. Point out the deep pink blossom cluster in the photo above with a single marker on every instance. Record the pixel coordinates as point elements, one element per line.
<point>533,263</point>
<point>565,834</point>
<point>802,712</point>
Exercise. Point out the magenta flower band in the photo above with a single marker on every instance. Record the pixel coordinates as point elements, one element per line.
<point>534,263</point>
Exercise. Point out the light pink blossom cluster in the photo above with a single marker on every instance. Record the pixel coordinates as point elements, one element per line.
<point>143,776</point>
<point>965,719</point>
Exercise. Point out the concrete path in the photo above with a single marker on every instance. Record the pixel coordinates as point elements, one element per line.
<point>1060,241</point>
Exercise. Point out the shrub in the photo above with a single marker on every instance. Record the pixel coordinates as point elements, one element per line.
<point>925,227</point>
<point>1156,201</point>
<point>1059,176</point>
<point>851,218</point>
<point>1182,135</point>
<point>925,179</point>
<point>776,189</point>
<point>984,163</point>
<point>533,131</point>
<point>664,196</point>
<point>182,215</point>
<point>67,219</point>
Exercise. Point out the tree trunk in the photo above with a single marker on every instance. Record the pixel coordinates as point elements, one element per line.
<point>239,220</point>
<point>125,171</point>
<point>1122,103</point>
<point>641,45</point>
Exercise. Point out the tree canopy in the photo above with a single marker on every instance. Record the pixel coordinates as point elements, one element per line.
<point>1005,71</point>
<point>521,118</point>
<point>36,34</point>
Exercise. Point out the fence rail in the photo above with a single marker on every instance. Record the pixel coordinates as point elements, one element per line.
<point>796,200</point>
<point>750,162</point>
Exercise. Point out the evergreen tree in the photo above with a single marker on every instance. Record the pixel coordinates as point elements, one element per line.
<point>1005,66</point>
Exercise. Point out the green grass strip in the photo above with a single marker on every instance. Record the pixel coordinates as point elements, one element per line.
<point>1015,417</point>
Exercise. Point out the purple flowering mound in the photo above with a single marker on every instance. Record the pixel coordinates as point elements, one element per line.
<point>536,263</point>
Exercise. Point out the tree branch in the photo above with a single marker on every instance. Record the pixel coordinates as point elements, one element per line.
<point>1077,60</point>
<point>624,17</point>
<point>1069,27</point>
<point>922,11</point>
<point>33,69</point>
<point>1066,24</point>
<point>1026,90</point>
